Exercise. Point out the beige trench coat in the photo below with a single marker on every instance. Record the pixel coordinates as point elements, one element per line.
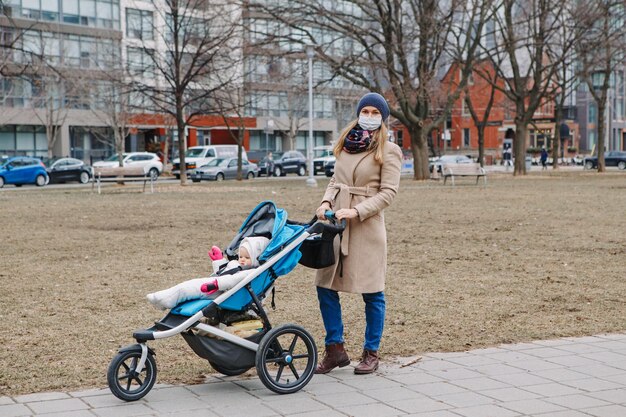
<point>362,183</point>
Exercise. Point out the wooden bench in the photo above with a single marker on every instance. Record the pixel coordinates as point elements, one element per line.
<point>122,174</point>
<point>463,170</point>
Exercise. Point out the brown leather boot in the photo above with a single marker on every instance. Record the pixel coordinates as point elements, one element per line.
<point>368,364</point>
<point>334,356</point>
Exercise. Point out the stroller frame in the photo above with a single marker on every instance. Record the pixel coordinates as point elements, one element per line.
<point>267,351</point>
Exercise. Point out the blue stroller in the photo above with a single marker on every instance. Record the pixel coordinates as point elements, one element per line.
<point>285,357</point>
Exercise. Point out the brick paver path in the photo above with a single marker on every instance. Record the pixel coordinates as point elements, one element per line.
<point>556,378</point>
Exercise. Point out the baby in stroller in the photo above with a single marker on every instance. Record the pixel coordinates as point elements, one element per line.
<point>225,275</point>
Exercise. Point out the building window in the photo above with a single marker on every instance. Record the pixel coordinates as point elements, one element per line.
<point>139,61</point>
<point>302,140</point>
<point>470,78</point>
<point>592,140</point>
<point>464,110</point>
<point>139,24</point>
<point>98,13</point>
<point>23,140</point>
<point>593,113</point>
<point>466,138</point>
<point>261,141</point>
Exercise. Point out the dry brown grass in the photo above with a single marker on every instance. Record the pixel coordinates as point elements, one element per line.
<point>526,258</point>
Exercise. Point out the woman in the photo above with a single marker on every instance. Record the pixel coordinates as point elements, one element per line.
<point>366,179</point>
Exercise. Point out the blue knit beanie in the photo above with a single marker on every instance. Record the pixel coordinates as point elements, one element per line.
<point>374,100</point>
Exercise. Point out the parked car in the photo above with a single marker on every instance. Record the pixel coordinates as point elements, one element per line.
<point>448,159</point>
<point>149,161</point>
<point>219,169</point>
<point>329,167</point>
<point>67,169</point>
<point>611,159</point>
<point>322,154</point>
<point>285,163</point>
<point>20,170</point>
<point>197,156</point>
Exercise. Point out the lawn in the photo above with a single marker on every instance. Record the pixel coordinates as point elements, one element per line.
<point>537,257</point>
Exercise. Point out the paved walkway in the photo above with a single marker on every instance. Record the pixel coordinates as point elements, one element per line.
<point>564,377</point>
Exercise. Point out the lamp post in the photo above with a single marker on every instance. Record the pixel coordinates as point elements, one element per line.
<point>269,126</point>
<point>310,53</point>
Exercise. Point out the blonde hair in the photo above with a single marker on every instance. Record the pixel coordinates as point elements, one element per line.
<point>377,145</point>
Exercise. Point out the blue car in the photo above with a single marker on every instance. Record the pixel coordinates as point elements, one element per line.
<point>21,170</point>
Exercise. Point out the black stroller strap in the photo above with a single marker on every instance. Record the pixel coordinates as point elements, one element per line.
<point>274,277</point>
<point>340,256</point>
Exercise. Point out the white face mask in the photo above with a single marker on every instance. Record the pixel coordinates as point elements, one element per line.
<point>370,123</point>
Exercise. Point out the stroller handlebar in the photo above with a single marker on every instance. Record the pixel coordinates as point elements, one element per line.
<point>335,226</point>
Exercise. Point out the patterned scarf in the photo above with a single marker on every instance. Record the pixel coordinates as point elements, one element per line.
<point>357,140</point>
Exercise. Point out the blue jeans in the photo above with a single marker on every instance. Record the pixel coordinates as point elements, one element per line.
<point>330,308</point>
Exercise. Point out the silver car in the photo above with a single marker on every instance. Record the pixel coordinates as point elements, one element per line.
<point>220,169</point>
<point>448,159</point>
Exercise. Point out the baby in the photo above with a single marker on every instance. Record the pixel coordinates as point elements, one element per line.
<point>249,250</point>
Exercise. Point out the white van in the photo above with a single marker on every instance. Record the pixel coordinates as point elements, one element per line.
<point>196,156</point>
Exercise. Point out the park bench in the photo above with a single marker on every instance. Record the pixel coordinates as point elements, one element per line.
<point>463,170</point>
<point>122,174</point>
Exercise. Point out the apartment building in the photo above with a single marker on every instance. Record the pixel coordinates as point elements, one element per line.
<point>84,39</point>
<point>615,117</point>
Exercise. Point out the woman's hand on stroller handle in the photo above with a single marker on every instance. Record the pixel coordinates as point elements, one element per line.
<point>321,211</point>
<point>332,217</point>
<point>345,214</point>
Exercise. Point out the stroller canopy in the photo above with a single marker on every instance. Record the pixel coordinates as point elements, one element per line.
<point>269,221</point>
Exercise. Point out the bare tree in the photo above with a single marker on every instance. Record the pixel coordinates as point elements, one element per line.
<point>15,55</point>
<point>565,81</point>
<point>49,85</point>
<point>197,57</point>
<point>480,115</point>
<point>396,48</point>
<point>114,110</point>
<point>231,107</point>
<point>524,31</point>
<point>600,52</point>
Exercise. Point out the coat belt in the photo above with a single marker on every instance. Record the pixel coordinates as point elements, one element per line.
<point>343,196</point>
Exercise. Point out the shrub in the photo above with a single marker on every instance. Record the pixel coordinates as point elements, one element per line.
<point>572,149</point>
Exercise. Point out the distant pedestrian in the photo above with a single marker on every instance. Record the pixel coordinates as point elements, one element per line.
<point>544,158</point>
<point>507,155</point>
<point>269,164</point>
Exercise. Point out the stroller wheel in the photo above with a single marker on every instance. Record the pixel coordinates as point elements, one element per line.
<point>286,359</point>
<point>125,383</point>
<point>227,372</point>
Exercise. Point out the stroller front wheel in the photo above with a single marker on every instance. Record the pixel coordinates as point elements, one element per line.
<point>125,382</point>
<point>286,359</point>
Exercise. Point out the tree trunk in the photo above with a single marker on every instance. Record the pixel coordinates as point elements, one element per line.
<point>166,153</point>
<point>239,155</point>
<point>419,148</point>
<point>557,140</point>
<point>119,148</point>
<point>601,133</point>
<point>181,153</point>
<point>182,141</point>
<point>481,144</point>
<point>519,145</point>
